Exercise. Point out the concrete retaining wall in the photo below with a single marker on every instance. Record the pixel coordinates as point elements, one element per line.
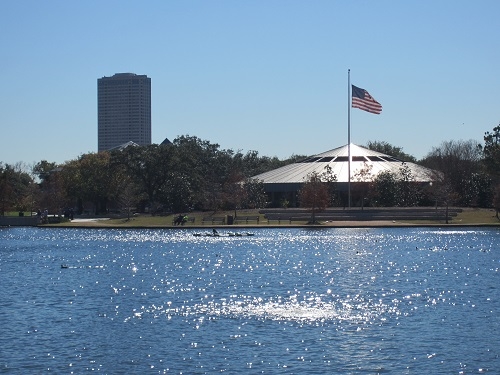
<point>14,221</point>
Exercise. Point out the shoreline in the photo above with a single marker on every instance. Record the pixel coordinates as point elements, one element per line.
<point>330,225</point>
<point>462,218</point>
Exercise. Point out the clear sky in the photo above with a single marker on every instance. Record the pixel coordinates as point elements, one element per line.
<point>263,75</point>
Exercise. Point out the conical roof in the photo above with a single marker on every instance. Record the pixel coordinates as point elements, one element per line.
<point>337,159</point>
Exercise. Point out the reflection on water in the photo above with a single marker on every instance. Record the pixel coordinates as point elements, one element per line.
<point>283,301</point>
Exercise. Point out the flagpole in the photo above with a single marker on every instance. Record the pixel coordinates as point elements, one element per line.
<point>349,137</point>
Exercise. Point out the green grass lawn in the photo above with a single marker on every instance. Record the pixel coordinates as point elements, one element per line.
<point>469,216</point>
<point>476,216</point>
<point>16,213</point>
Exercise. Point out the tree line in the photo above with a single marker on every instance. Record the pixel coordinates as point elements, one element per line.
<point>194,174</point>
<point>189,174</point>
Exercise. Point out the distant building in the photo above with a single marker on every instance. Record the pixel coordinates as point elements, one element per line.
<point>123,110</point>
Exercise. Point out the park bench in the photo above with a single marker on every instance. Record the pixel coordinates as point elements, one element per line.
<point>214,220</point>
<point>246,219</point>
<point>274,218</point>
<point>287,218</point>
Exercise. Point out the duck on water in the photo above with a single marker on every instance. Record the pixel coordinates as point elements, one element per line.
<point>215,233</point>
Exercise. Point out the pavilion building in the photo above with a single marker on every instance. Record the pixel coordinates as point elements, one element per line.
<point>286,182</point>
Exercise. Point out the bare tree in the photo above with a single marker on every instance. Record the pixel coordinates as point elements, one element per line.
<point>128,196</point>
<point>443,192</point>
<point>459,161</point>
<point>363,176</point>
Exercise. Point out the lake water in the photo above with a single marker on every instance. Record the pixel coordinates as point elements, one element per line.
<point>284,301</point>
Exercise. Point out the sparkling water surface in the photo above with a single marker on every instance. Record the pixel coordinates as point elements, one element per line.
<point>284,301</point>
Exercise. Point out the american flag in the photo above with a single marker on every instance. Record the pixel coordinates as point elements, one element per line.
<point>362,100</point>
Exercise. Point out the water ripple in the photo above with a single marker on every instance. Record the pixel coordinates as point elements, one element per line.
<point>396,300</point>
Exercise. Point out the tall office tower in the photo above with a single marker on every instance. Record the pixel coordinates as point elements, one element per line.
<point>123,110</point>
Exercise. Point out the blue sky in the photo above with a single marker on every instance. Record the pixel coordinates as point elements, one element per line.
<point>269,76</point>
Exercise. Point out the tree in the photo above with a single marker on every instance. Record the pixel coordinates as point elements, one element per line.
<point>477,190</point>
<point>407,191</point>
<point>43,169</point>
<point>207,167</point>
<point>99,181</point>
<point>177,193</point>
<point>53,194</point>
<point>491,152</point>
<point>314,194</point>
<point>148,167</point>
<point>15,188</point>
<point>385,189</point>
<point>362,176</point>
<point>254,194</point>
<point>330,179</point>
<point>396,190</point>
<point>234,191</point>
<point>458,161</point>
<point>92,177</point>
<point>496,201</point>
<point>443,192</point>
<point>128,195</point>
<point>251,164</point>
